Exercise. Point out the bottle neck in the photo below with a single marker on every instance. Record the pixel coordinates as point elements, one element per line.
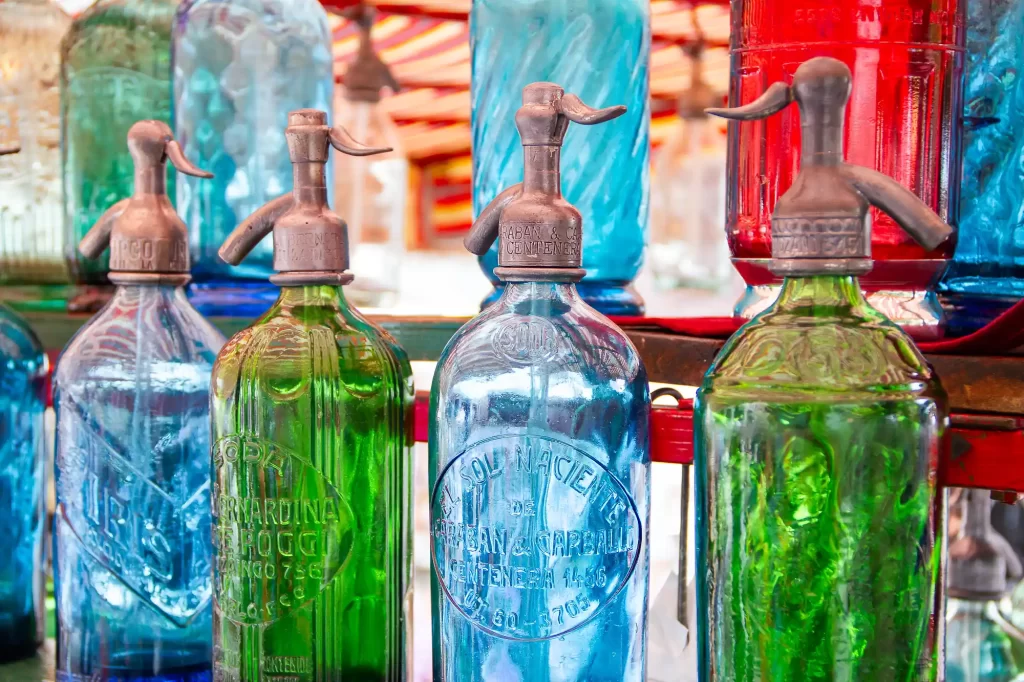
<point>310,183</point>
<point>313,295</point>
<point>145,295</point>
<point>542,169</point>
<point>822,295</point>
<point>553,293</point>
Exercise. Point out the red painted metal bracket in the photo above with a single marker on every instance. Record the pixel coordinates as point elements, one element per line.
<point>985,451</point>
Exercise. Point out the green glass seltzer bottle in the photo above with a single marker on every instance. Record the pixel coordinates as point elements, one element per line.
<point>818,433</point>
<point>312,437</point>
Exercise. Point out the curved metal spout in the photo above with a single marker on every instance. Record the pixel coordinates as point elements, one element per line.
<point>253,229</point>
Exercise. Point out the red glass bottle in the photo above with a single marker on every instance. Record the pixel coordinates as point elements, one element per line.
<point>907,59</point>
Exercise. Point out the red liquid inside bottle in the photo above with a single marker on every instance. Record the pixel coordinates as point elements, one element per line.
<point>903,119</point>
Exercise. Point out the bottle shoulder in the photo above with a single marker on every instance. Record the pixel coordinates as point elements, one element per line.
<point>131,339</point>
<point>19,345</point>
<point>514,348</point>
<point>106,33</point>
<point>341,344</point>
<point>788,357</point>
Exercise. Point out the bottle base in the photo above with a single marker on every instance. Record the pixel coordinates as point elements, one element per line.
<point>232,298</point>
<point>609,298</point>
<point>917,312</point>
<point>967,313</point>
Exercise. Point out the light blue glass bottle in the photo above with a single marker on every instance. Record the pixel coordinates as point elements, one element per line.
<point>22,400</point>
<point>599,49</point>
<point>539,459</point>
<point>239,67</point>
<point>987,273</point>
<point>133,544</point>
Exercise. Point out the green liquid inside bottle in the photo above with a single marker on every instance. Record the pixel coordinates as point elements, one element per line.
<point>312,416</point>
<point>819,431</point>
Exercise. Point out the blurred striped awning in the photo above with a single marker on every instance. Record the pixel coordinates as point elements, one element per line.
<point>426,43</point>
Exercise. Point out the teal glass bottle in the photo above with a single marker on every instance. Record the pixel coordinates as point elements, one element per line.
<point>22,511</point>
<point>115,70</point>
<point>239,67</point>
<point>818,433</point>
<point>22,481</point>
<point>539,450</point>
<point>132,541</point>
<point>599,49</point>
<point>987,273</point>
<point>312,431</point>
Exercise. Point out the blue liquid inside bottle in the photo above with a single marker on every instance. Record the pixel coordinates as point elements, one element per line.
<point>539,465</point>
<point>22,400</point>
<point>239,67</point>
<point>987,272</point>
<point>599,50</point>
<point>133,544</point>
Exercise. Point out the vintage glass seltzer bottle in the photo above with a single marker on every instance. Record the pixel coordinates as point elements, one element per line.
<point>598,49</point>
<point>312,428</point>
<point>982,568</point>
<point>987,273</point>
<point>371,192</point>
<point>115,70</point>
<point>133,545</point>
<point>903,120</point>
<point>818,433</point>
<point>239,67</point>
<point>31,226</point>
<point>539,459</point>
<point>22,510</point>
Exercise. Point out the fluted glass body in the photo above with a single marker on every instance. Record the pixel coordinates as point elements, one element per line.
<point>989,258</point>
<point>818,431</point>
<point>977,647</point>
<point>239,67</point>
<point>370,191</point>
<point>688,248</point>
<point>31,227</point>
<point>115,70</point>
<point>599,50</point>
<point>540,471</point>
<point>22,401</point>
<point>133,546</point>
<point>312,427</point>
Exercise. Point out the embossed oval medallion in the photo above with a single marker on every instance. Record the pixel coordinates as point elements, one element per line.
<point>282,531</point>
<point>526,339</point>
<point>530,536</point>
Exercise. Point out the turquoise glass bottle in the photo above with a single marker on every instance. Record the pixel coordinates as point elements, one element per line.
<point>539,450</point>
<point>133,550</point>
<point>22,481</point>
<point>22,511</point>
<point>312,429</point>
<point>599,49</point>
<point>115,70</point>
<point>987,273</point>
<point>239,67</point>
<point>818,434</point>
